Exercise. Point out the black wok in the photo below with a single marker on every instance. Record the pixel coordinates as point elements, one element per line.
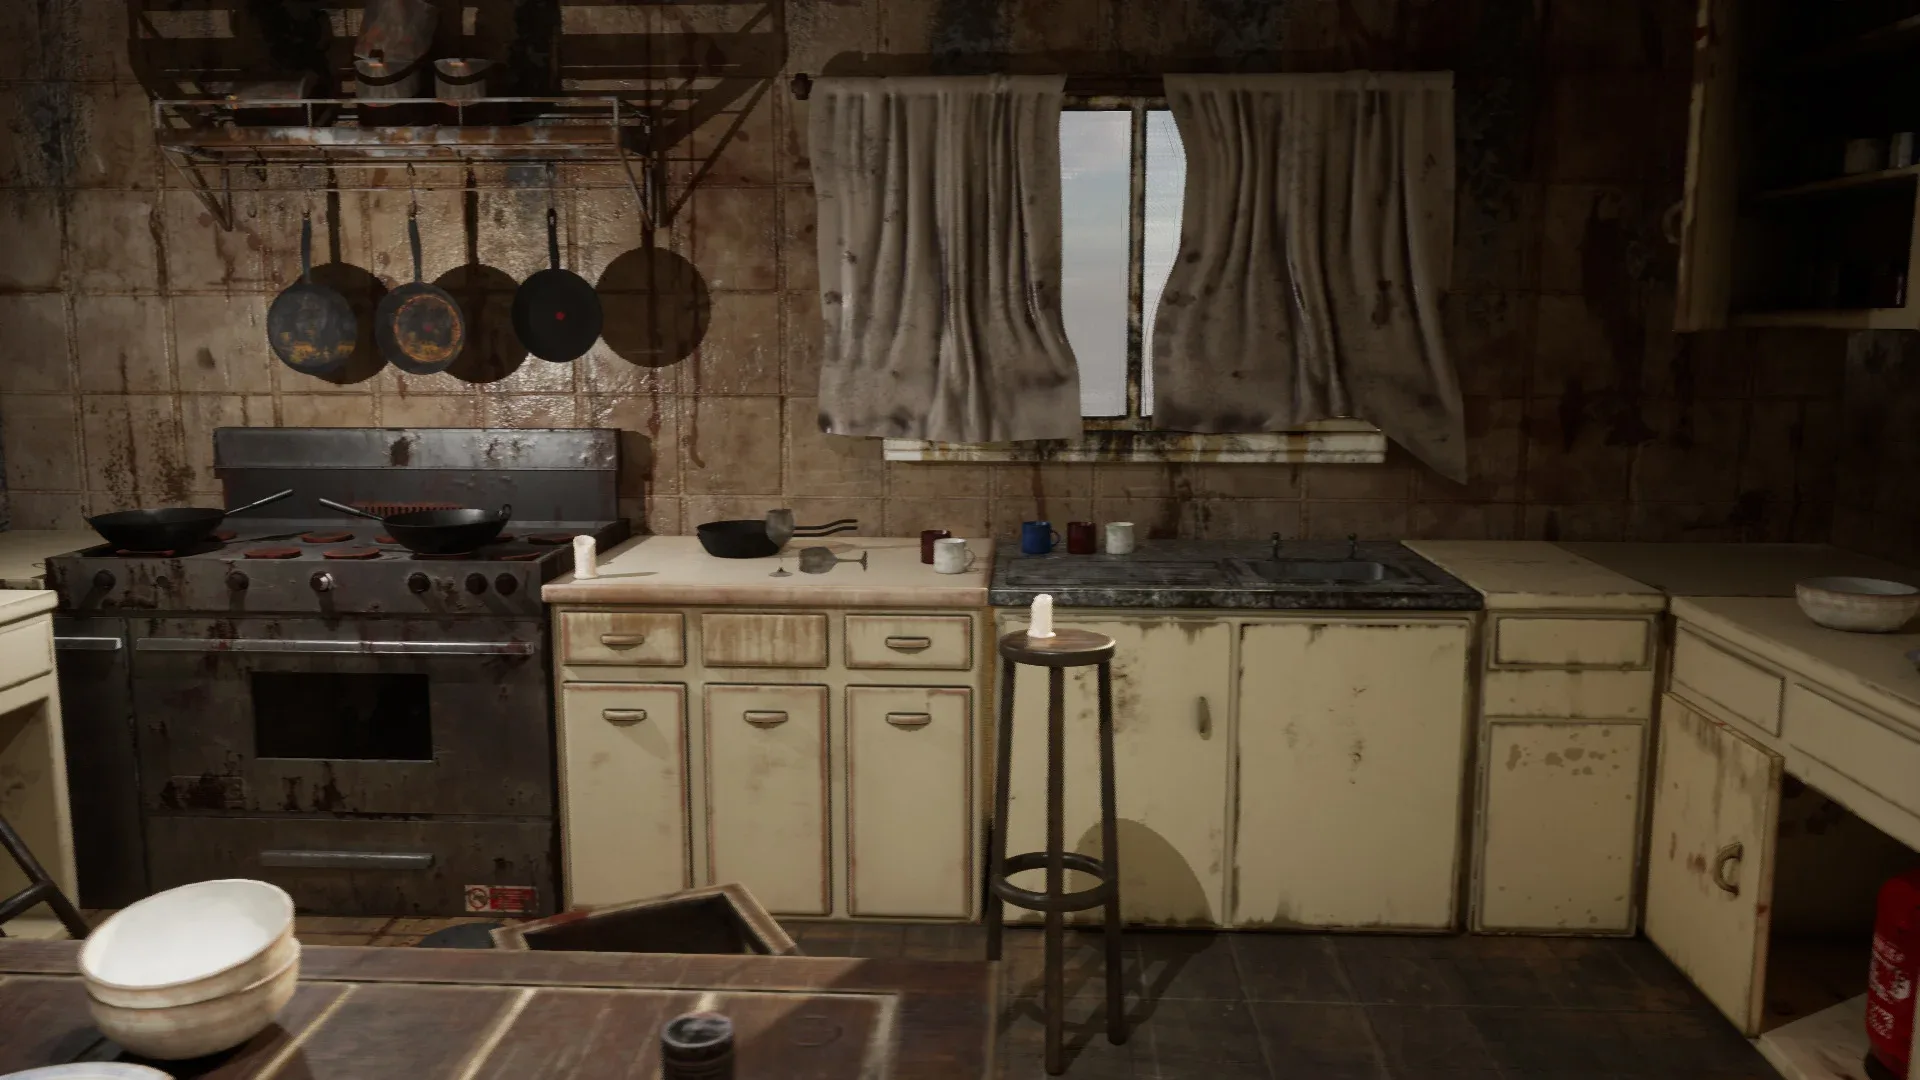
<point>747,538</point>
<point>438,532</point>
<point>170,529</point>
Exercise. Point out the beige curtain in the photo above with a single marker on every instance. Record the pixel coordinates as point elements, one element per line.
<point>1315,246</point>
<point>939,237</point>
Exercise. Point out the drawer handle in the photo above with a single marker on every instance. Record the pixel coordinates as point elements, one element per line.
<point>909,719</point>
<point>623,716</point>
<point>909,644</point>
<point>765,717</point>
<point>1723,860</point>
<point>1203,717</point>
<point>622,641</point>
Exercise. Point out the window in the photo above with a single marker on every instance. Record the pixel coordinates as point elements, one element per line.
<point>1122,186</point>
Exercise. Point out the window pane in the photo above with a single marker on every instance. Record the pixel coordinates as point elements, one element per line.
<point>1166,191</point>
<point>1095,183</point>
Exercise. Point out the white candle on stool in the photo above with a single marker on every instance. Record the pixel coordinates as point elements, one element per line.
<point>1041,624</point>
<point>583,556</point>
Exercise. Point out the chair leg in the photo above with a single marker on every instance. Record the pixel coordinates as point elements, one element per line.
<point>1110,862</point>
<point>41,882</point>
<point>1002,780</point>
<point>1056,867</point>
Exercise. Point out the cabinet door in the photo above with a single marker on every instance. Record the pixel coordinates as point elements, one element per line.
<point>1352,762</point>
<point>1170,681</point>
<point>623,783</point>
<point>1716,801</point>
<point>909,801</point>
<point>1559,825</point>
<point>767,794</point>
<point>1712,191</point>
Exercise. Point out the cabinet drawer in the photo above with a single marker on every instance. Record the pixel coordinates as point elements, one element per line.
<point>909,800</point>
<point>925,642</point>
<point>645,638</point>
<point>1711,675</point>
<point>767,794</point>
<point>1571,643</point>
<point>623,778</point>
<point>26,652</point>
<point>797,641</point>
<point>1871,751</point>
<point>1559,693</point>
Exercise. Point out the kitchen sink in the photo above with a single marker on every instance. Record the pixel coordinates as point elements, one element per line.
<point>1317,571</point>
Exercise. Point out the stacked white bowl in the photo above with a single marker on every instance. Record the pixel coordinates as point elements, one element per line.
<point>193,970</point>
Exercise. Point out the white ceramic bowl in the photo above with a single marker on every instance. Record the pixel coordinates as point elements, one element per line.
<point>1864,605</point>
<point>178,1032</point>
<point>194,943</point>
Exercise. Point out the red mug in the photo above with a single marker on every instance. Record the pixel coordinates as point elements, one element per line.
<point>927,537</point>
<point>1080,537</point>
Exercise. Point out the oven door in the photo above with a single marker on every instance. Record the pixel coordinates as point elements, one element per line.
<point>367,716</point>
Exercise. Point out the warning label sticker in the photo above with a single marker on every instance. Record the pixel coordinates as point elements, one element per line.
<point>502,899</point>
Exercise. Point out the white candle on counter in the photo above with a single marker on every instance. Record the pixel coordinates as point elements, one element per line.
<point>1041,620</point>
<point>583,558</point>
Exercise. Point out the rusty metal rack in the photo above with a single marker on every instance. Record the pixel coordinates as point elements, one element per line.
<point>203,136</point>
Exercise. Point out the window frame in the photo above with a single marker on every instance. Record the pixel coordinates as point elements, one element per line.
<point>1133,437</point>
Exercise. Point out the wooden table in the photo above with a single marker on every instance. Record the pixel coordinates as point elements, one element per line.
<point>427,1014</point>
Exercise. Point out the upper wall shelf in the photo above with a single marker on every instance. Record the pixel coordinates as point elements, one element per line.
<point>1892,37</point>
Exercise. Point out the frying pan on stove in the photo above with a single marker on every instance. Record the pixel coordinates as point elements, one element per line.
<point>437,532</point>
<point>168,529</point>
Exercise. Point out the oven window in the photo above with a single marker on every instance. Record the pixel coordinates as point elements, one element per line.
<point>341,716</point>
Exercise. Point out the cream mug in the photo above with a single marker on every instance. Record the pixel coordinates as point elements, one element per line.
<point>952,556</point>
<point>1119,537</point>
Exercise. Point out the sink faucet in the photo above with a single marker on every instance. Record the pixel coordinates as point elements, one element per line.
<point>1276,547</point>
<point>1353,545</point>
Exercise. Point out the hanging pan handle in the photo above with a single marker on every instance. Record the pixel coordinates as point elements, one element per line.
<point>355,511</point>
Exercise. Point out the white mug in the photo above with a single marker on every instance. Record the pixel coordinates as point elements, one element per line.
<point>952,556</point>
<point>1119,537</point>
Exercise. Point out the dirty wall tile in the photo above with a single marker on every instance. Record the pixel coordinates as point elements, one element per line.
<point>111,241</point>
<point>603,371</point>
<point>220,344</point>
<point>822,464</point>
<point>31,257</point>
<point>1007,512</point>
<point>1495,442</point>
<point>1366,520</point>
<point>800,342</point>
<point>1390,480</point>
<point>661,516</point>
<point>99,40</point>
<point>1571,455</point>
<point>1799,363</point>
<point>40,439</point>
<point>650,451</point>
<point>607,225</point>
<point>695,509</point>
<point>1496,236</point>
<point>33,150</point>
<point>1689,522</point>
<point>735,145</point>
<point>202,255</point>
<point>326,410</point>
<point>1573,344</point>
<point>799,247</point>
<point>1250,481</point>
<point>809,510</point>
<point>46,510</point>
<point>821,31</point>
<point>1153,518</point>
<point>1127,480</point>
<point>200,414</point>
<point>443,242</point>
<point>1574,521</point>
<point>1246,519</point>
<point>1693,454</point>
<point>1464,521</point>
<point>732,446</point>
<point>1085,31</point>
<point>339,230</point>
<point>1590,228</point>
<point>121,344</point>
<point>966,518</point>
<point>740,353</point>
<point>1041,482</point>
<point>1598,125</point>
<point>36,334</point>
<point>534,376</point>
<point>430,410</point>
<point>110,138</point>
<point>1490,338</point>
<point>529,410</point>
<point>133,448</point>
<point>909,480</point>
<point>736,237</point>
<point>1584,36</point>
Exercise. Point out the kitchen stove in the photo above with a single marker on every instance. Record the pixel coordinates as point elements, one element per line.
<point>303,701</point>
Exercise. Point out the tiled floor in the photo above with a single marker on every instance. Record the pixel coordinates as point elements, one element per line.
<point>1207,1006</point>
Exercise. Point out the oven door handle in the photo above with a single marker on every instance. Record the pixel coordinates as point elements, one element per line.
<point>348,860</point>
<point>88,644</point>
<point>336,647</point>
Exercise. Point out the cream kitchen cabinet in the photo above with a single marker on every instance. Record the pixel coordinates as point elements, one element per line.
<point>1352,739</point>
<point>1172,679</point>
<point>828,759</point>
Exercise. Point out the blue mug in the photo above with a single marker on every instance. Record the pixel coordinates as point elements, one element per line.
<point>1037,537</point>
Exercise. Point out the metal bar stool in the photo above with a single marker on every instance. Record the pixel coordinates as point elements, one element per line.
<point>41,887</point>
<point>1067,648</point>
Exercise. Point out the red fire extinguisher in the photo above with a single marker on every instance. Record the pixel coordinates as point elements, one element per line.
<point>1895,969</point>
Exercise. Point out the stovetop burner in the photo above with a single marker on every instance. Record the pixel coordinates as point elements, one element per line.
<point>351,553</point>
<point>326,537</point>
<point>271,553</point>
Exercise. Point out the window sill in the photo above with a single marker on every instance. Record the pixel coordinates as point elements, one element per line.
<point>1344,442</point>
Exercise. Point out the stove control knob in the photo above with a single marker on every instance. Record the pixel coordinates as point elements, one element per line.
<point>476,583</point>
<point>237,581</point>
<point>103,580</point>
<point>505,584</point>
<point>322,582</point>
<point>418,583</point>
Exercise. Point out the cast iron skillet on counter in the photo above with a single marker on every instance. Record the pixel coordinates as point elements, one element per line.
<point>169,529</point>
<point>437,532</point>
<point>751,538</point>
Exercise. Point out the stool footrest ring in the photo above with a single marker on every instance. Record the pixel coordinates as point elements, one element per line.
<point>1040,901</point>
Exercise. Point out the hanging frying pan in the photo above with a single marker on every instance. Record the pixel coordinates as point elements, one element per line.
<point>418,326</point>
<point>310,326</point>
<point>556,312</point>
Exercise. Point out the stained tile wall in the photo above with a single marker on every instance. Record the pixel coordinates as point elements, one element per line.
<point>135,325</point>
<point>1877,485</point>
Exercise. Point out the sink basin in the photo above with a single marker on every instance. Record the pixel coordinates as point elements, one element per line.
<point>1318,571</point>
